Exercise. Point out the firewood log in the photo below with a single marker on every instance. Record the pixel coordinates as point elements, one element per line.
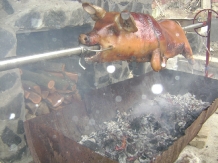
<point>51,66</point>
<point>68,98</point>
<point>61,84</point>
<point>58,108</point>
<point>64,91</point>
<point>57,74</point>
<point>76,96</point>
<point>31,86</point>
<point>44,94</point>
<point>42,109</point>
<point>37,109</point>
<point>54,99</point>
<point>29,116</point>
<point>71,76</point>
<point>73,88</point>
<point>40,79</point>
<point>26,94</point>
<point>31,107</point>
<point>34,97</point>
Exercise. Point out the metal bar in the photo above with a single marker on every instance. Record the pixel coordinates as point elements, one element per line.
<point>197,25</point>
<point>15,62</point>
<point>208,41</point>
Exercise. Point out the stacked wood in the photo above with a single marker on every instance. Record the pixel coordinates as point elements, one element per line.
<point>71,76</point>
<point>32,96</point>
<point>48,88</point>
<point>55,99</point>
<point>51,66</point>
<point>38,78</point>
<point>28,85</point>
<point>44,94</point>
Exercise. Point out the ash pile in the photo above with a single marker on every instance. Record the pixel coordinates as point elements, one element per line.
<point>147,129</point>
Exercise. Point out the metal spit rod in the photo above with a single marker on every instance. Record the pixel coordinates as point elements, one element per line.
<point>197,25</point>
<point>15,62</point>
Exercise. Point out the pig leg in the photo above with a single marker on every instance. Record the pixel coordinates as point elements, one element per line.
<point>187,53</point>
<point>156,60</point>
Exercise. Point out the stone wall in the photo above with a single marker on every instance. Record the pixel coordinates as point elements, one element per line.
<point>12,112</point>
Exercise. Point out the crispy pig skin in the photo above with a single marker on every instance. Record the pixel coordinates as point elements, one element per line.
<point>135,37</point>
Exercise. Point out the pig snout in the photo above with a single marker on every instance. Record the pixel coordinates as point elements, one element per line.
<point>84,39</point>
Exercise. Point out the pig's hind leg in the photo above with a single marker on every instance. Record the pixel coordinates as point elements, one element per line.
<point>156,60</point>
<point>187,53</point>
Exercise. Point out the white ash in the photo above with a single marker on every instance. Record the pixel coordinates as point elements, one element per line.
<point>147,129</point>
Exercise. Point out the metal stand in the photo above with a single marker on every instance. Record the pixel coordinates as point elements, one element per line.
<point>199,19</point>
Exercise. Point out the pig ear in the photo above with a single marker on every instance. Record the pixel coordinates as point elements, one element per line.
<point>126,21</point>
<point>95,12</point>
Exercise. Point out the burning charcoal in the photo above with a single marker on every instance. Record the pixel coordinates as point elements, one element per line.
<point>91,145</point>
<point>144,159</point>
<point>174,133</point>
<point>141,137</point>
<point>122,158</point>
<point>180,126</point>
<point>129,140</point>
<point>110,143</point>
<point>165,116</point>
<point>131,159</point>
<point>173,117</point>
<point>136,124</point>
<point>131,148</point>
<point>188,123</point>
<point>157,125</point>
<point>103,135</point>
<point>153,141</point>
<point>150,135</point>
<point>169,142</point>
<point>112,155</point>
<point>161,147</point>
<point>151,119</point>
<point>122,145</point>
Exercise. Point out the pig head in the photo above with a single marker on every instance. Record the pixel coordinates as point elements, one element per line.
<point>134,37</point>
